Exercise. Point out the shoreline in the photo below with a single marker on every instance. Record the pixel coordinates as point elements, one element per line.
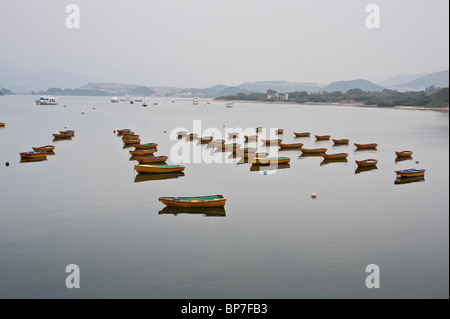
<point>354,104</point>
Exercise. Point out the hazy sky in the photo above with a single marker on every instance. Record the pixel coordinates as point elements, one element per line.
<point>199,43</point>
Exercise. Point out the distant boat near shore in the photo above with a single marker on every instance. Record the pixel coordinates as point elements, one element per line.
<point>46,100</point>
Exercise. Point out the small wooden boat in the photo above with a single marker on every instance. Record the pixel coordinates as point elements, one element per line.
<point>279,131</point>
<point>340,142</point>
<point>197,201</point>
<point>231,146</point>
<point>411,173</point>
<point>259,129</point>
<point>192,136</point>
<point>272,142</point>
<point>291,145</point>
<point>145,168</point>
<point>322,137</point>
<point>403,153</point>
<point>366,146</point>
<point>313,150</point>
<point>2,124</point>
<point>270,160</point>
<point>62,135</point>
<point>71,132</point>
<point>303,134</point>
<point>182,133</point>
<point>132,141</point>
<point>121,132</point>
<point>33,154</point>
<point>367,162</point>
<point>130,137</point>
<point>233,134</point>
<point>46,148</point>
<point>335,156</point>
<point>251,137</point>
<point>152,159</point>
<point>142,152</point>
<point>206,139</point>
<point>147,145</point>
<point>128,133</point>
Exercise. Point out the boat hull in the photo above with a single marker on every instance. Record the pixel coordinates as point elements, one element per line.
<point>335,156</point>
<point>132,141</point>
<point>149,169</point>
<point>411,173</point>
<point>292,145</point>
<point>26,155</point>
<point>366,163</point>
<point>313,150</point>
<point>341,142</point>
<point>198,201</point>
<point>366,146</point>
<point>322,137</point>
<point>404,153</point>
<point>154,159</point>
<point>304,134</point>
<point>142,152</point>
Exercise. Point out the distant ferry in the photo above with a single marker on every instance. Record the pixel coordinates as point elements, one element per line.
<point>115,100</point>
<point>46,100</point>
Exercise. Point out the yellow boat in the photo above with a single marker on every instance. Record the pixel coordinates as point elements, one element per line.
<point>342,141</point>
<point>291,145</point>
<point>145,168</point>
<point>182,133</point>
<point>335,156</point>
<point>132,141</point>
<point>367,162</point>
<point>197,201</point>
<point>403,153</point>
<point>46,148</point>
<point>270,160</point>
<point>322,137</point>
<point>140,152</point>
<point>272,142</point>
<point>71,132</point>
<point>121,132</point>
<point>152,159</point>
<point>313,150</point>
<point>33,155</point>
<point>146,145</point>
<point>2,124</point>
<point>366,146</point>
<point>128,133</point>
<point>62,135</point>
<point>411,173</point>
<point>303,134</point>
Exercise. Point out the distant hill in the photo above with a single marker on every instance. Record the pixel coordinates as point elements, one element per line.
<point>4,91</point>
<point>344,86</point>
<point>279,86</point>
<point>400,78</point>
<point>438,79</point>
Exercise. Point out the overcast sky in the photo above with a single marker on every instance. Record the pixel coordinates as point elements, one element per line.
<point>199,43</point>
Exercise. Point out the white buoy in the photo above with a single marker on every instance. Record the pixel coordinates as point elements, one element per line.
<point>313,195</point>
<point>399,176</point>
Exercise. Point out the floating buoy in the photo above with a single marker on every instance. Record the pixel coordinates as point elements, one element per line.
<point>64,105</point>
<point>265,172</point>
<point>7,164</point>
<point>313,195</point>
<point>417,162</point>
<point>164,131</point>
<point>114,131</point>
<point>82,112</point>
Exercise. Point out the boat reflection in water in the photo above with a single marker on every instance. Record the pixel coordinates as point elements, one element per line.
<point>409,180</point>
<point>336,160</point>
<point>33,159</point>
<point>305,155</point>
<point>403,158</point>
<point>365,169</point>
<point>50,153</point>
<point>205,211</point>
<point>155,177</point>
<point>257,168</point>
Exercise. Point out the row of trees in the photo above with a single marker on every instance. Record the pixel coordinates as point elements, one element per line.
<point>387,98</point>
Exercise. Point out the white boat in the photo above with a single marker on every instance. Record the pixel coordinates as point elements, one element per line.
<point>46,100</point>
<point>229,104</point>
<point>195,101</point>
<point>138,99</point>
<point>155,102</point>
<point>173,100</point>
<point>115,99</point>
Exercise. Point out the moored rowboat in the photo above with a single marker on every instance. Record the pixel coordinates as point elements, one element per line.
<point>147,145</point>
<point>143,152</point>
<point>206,139</point>
<point>291,145</point>
<point>404,153</point>
<point>279,131</point>
<point>411,172</point>
<point>153,159</point>
<point>342,141</point>
<point>46,148</point>
<point>2,124</point>
<point>196,201</point>
<point>322,137</point>
<point>71,132</point>
<point>132,141</point>
<point>270,160</point>
<point>367,162</point>
<point>313,150</point>
<point>272,142</point>
<point>62,135</point>
<point>250,137</point>
<point>335,156</point>
<point>33,154</point>
<point>303,134</point>
<point>130,137</point>
<point>366,146</point>
<point>233,146</point>
<point>121,132</point>
<point>145,168</point>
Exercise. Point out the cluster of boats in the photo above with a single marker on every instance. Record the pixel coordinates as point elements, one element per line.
<point>40,153</point>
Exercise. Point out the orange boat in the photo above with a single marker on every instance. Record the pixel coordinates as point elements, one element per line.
<point>27,155</point>
<point>147,145</point>
<point>206,139</point>
<point>141,152</point>
<point>150,169</point>
<point>152,159</point>
<point>367,162</point>
<point>132,141</point>
<point>2,124</point>
<point>251,137</point>
<point>127,133</point>
<point>291,145</point>
<point>335,156</point>
<point>71,132</point>
<point>342,141</point>
<point>322,137</point>
<point>197,201</point>
<point>272,142</point>
<point>121,132</point>
<point>62,135</point>
<point>130,137</point>
<point>404,153</point>
<point>279,131</point>
<point>192,136</point>
<point>366,146</point>
<point>46,148</point>
<point>304,134</point>
<point>313,150</point>
<point>409,173</point>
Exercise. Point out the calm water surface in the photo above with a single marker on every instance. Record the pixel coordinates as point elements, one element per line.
<point>85,206</point>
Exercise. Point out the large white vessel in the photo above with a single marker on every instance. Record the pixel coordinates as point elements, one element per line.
<point>46,100</point>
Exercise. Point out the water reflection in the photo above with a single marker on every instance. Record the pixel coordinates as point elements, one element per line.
<point>155,177</point>
<point>365,169</point>
<point>409,180</point>
<point>336,160</point>
<point>60,139</point>
<point>51,153</point>
<point>304,155</point>
<point>403,158</point>
<point>257,168</point>
<point>35,159</point>
<point>205,211</point>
